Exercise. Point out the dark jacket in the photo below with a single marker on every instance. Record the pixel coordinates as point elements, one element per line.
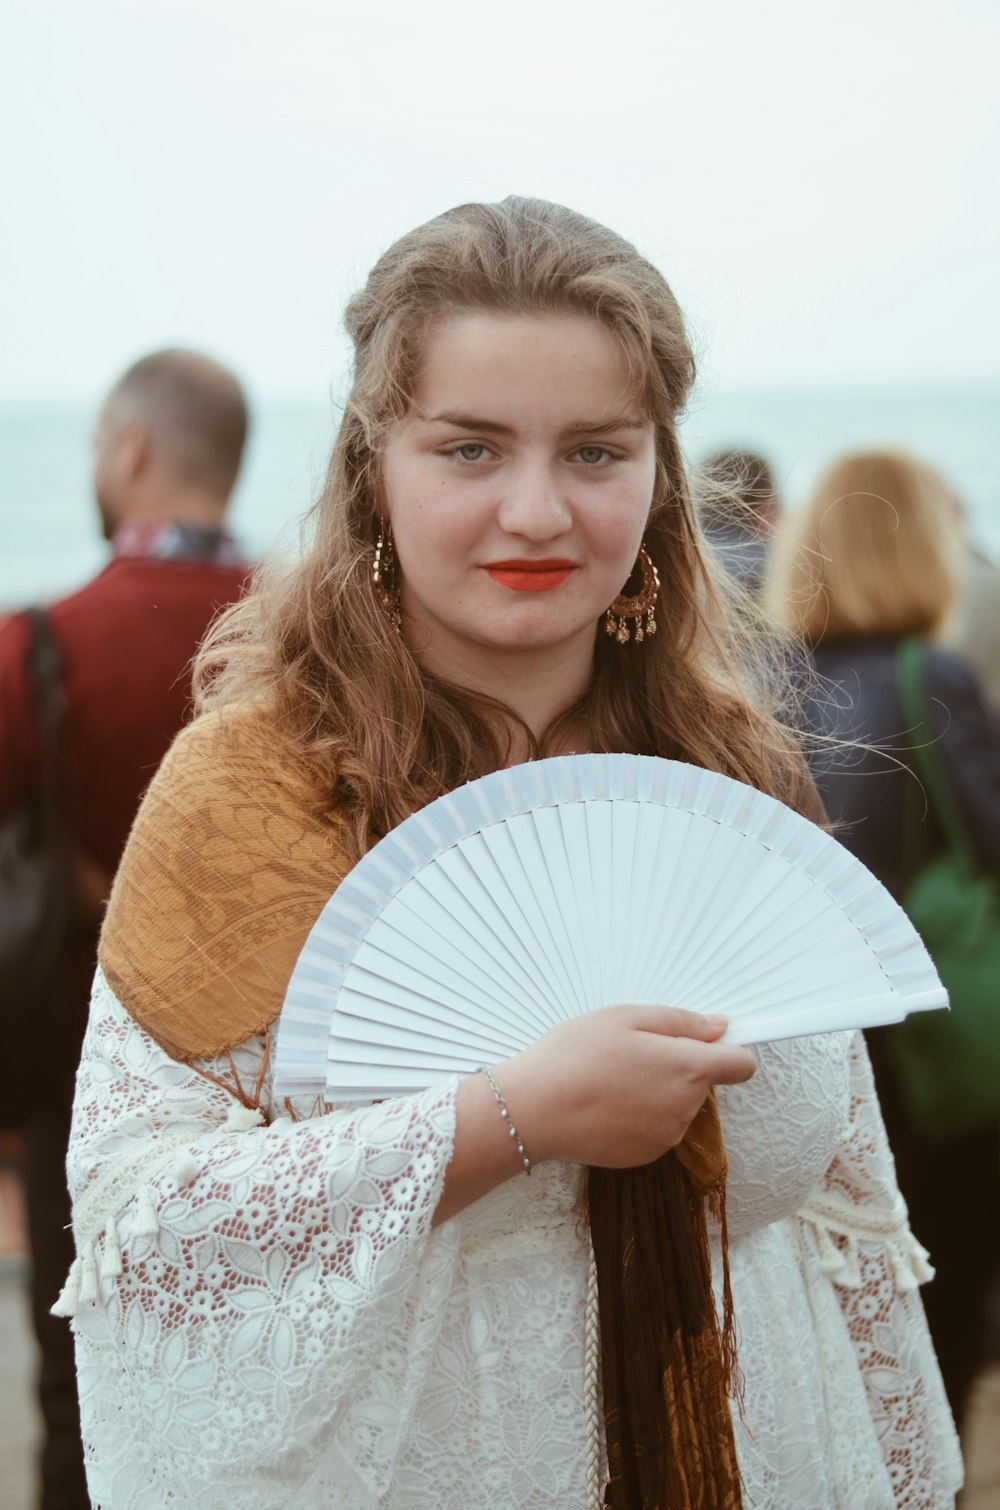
<point>863,788</point>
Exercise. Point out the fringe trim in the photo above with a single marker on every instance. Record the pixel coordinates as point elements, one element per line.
<point>242,1118</point>
<point>185,1168</point>
<point>888,1230</point>
<point>88,1277</point>
<point>68,1303</point>
<point>111,1261</point>
<point>146,1223</point>
<point>668,1360</point>
<point>81,1287</point>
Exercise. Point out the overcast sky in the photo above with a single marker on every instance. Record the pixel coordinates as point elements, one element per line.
<point>819,183</point>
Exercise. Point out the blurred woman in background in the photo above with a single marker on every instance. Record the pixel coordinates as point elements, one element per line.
<point>870,561</point>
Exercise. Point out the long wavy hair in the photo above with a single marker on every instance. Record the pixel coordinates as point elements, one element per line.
<point>310,645</point>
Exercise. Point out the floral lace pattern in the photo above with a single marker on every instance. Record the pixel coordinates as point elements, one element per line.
<point>265,1317</point>
<point>858,1420</point>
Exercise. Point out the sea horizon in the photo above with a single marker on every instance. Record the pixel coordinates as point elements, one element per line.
<point>51,541</point>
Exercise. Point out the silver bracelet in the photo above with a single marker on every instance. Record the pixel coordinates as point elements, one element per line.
<point>505,1114</point>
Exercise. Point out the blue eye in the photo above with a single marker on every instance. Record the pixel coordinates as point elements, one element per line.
<point>473,450</point>
<point>593,455</point>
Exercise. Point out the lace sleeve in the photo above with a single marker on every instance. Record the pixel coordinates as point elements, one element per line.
<point>234,1281</point>
<point>857,1234</point>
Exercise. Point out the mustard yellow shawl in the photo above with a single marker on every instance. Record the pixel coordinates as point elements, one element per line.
<point>225,872</point>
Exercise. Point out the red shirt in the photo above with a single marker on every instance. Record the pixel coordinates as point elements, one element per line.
<point>127,641</point>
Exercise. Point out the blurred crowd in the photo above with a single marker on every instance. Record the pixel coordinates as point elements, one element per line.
<point>91,696</point>
<point>875,567</point>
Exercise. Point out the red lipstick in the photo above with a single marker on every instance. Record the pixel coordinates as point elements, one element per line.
<point>530,576</point>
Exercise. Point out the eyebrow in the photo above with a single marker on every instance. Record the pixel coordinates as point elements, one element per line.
<point>493,427</point>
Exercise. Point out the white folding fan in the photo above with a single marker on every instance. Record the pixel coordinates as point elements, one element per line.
<point>552,888</point>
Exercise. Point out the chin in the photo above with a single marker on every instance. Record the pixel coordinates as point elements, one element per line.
<point>525,628</point>
<point>534,636</point>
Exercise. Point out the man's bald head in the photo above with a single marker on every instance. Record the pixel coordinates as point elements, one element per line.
<point>191,410</point>
<point>169,442</point>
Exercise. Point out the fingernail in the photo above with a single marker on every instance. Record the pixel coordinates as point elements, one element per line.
<point>717,1020</point>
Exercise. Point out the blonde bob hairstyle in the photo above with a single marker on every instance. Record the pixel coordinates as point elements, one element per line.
<point>311,645</point>
<point>873,553</point>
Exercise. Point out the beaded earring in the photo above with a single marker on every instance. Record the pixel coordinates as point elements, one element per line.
<point>641,605</point>
<point>385,575</point>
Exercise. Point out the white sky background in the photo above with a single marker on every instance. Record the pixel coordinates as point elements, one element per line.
<point>819,183</point>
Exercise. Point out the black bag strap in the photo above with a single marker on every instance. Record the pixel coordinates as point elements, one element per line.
<point>45,667</point>
<point>928,765</point>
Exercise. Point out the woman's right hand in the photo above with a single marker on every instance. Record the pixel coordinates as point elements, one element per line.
<point>619,1086</point>
<point>616,1087</point>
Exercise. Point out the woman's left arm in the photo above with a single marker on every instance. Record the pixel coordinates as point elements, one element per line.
<point>249,1295</point>
<point>856,1232</point>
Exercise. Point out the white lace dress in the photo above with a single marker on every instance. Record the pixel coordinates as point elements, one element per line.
<point>264,1316</point>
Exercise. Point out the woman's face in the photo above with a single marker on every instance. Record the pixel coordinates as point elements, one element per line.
<point>518,487</point>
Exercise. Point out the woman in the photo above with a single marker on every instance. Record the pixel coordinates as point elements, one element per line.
<point>367,1308</point>
<point>871,560</point>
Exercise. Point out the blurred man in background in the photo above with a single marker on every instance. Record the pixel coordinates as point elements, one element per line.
<point>739,514</point>
<point>168,447</point>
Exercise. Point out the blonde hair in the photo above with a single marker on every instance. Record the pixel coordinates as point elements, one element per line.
<point>874,552</point>
<point>379,734</point>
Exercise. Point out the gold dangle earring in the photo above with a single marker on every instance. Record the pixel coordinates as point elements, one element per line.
<point>385,575</point>
<point>639,606</point>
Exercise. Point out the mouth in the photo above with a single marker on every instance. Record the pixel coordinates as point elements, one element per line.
<point>530,576</point>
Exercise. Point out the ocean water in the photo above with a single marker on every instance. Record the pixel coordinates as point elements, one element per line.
<point>49,540</point>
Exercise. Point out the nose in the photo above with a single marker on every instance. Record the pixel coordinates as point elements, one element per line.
<point>534,503</point>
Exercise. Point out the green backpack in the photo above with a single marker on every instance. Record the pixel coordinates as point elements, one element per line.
<point>947,1063</point>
